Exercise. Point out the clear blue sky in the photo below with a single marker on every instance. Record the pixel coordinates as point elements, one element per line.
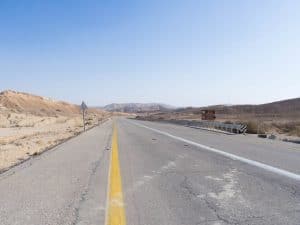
<point>172,51</point>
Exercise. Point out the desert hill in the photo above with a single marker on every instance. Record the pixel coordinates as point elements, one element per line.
<point>289,108</point>
<point>37,105</point>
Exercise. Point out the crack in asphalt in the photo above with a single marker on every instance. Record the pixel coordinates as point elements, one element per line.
<point>215,211</point>
<point>186,185</point>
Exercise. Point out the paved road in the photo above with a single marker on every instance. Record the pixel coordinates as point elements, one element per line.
<point>166,179</point>
<point>66,185</point>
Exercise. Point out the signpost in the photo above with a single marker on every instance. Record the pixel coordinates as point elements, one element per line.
<point>83,109</point>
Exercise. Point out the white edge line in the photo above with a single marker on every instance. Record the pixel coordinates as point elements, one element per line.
<point>229,155</point>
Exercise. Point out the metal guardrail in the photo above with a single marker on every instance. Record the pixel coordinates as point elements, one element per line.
<point>232,128</point>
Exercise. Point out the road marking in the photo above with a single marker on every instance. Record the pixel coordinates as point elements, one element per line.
<point>115,204</point>
<point>226,154</point>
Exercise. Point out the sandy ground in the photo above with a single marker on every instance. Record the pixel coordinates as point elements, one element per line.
<point>24,135</point>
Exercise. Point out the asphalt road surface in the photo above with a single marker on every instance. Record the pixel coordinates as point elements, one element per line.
<point>145,173</point>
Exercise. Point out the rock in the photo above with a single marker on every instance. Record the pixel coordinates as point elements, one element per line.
<point>272,137</point>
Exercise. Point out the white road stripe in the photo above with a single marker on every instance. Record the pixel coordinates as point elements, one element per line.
<point>229,155</point>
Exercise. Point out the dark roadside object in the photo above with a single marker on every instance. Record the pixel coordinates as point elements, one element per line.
<point>262,135</point>
<point>292,141</point>
<point>272,137</point>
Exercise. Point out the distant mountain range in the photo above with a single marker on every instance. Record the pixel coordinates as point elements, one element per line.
<point>286,107</point>
<point>137,107</point>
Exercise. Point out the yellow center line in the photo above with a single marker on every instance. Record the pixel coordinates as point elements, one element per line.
<point>115,207</point>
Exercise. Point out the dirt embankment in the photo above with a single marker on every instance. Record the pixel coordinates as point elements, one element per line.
<point>30,124</point>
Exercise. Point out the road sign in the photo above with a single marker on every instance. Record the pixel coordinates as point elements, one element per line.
<point>83,107</point>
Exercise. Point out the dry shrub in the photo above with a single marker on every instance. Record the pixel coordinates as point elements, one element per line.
<point>90,118</point>
<point>295,132</point>
<point>18,143</point>
<point>254,126</point>
<point>88,123</point>
<point>291,128</point>
<point>39,142</point>
<point>251,127</point>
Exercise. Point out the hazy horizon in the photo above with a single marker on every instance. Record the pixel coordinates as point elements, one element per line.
<point>181,53</point>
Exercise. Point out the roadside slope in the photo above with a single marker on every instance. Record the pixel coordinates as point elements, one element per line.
<point>30,124</point>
